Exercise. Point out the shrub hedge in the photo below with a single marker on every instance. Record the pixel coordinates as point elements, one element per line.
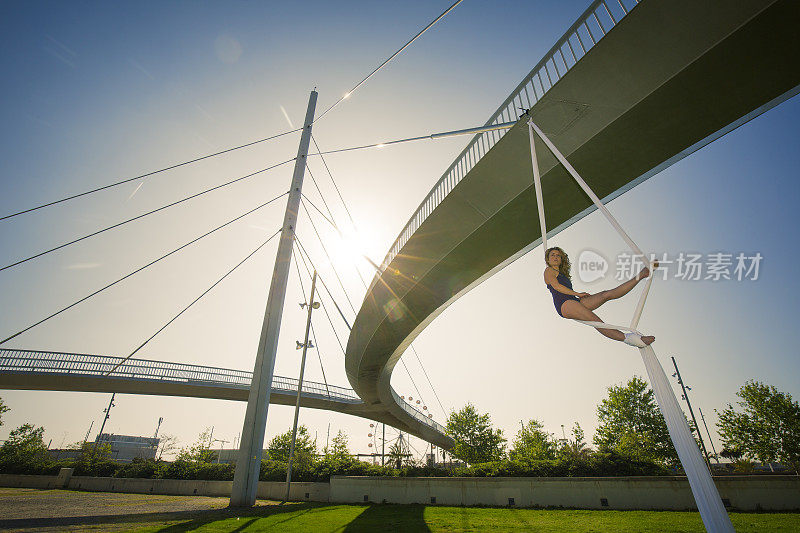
<point>594,465</point>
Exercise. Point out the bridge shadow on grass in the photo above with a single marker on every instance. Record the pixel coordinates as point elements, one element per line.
<point>247,518</point>
<point>189,520</point>
<point>388,517</point>
<point>310,517</point>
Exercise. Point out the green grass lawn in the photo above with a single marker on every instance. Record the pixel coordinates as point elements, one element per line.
<point>322,518</point>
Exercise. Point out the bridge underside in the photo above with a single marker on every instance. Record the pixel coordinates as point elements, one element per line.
<point>668,79</point>
<point>52,381</point>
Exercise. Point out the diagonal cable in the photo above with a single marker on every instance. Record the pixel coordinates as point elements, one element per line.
<point>324,249</point>
<point>341,237</point>
<point>313,333</point>
<point>139,269</point>
<point>352,221</point>
<point>330,295</point>
<point>322,196</point>
<point>173,319</point>
<point>127,180</point>
<point>325,309</point>
<point>368,76</point>
<point>419,394</point>
<point>143,215</point>
<point>328,220</point>
<point>327,168</point>
<point>429,379</point>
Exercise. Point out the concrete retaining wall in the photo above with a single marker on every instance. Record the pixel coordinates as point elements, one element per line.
<point>268,490</point>
<point>746,493</point>
<point>30,482</point>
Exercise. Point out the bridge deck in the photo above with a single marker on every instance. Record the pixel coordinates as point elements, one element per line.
<point>38,370</point>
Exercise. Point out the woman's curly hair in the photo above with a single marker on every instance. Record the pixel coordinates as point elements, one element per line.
<point>565,264</point>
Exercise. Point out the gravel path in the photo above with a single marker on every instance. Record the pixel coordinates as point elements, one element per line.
<point>34,510</point>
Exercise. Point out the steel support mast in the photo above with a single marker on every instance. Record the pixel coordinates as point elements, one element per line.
<point>248,463</point>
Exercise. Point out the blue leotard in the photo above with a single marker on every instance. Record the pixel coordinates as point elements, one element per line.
<point>559,297</point>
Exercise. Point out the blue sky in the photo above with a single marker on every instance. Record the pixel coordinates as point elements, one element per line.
<point>96,92</point>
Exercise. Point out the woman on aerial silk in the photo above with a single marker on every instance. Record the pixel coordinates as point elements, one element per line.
<point>579,305</point>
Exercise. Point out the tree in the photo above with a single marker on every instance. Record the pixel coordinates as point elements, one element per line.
<point>767,428</point>
<point>92,452</point>
<point>167,445</point>
<point>533,443</point>
<point>398,452</point>
<point>632,425</point>
<point>3,409</point>
<point>304,448</point>
<point>24,446</point>
<point>730,454</point>
<point>576,447</point>
<point>339,449</point>
<point>475,439</point>
<point>337,455</point>
<point>200,451</point>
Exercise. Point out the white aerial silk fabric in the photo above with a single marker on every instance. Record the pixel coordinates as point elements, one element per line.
<point>709,503</point>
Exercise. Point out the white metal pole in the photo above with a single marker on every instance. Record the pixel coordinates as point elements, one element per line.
<point>300,386</point>
<point>245,478</point>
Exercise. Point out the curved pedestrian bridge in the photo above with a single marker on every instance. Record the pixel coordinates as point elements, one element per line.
<point>39,370</point>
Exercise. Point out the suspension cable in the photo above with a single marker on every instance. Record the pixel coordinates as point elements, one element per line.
<point>468,131</point>
<point>328,220</point>
<point>352,222</point>
<point>419,394</point>
<point>324,249</point>
<point>313,334</point>
<point>127,180</point>
<point>341,237</point>
<point>330,295</point>
<point>335,333</point>
<point>140,269</point>
<point>142,215</point>
<point>368,76</point>
<point>322,196</point>
<point>428,378</point>
<point>251,254</point>
<point>330,174</point>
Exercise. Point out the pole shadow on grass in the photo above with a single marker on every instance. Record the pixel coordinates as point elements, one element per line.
<point>388,517</point>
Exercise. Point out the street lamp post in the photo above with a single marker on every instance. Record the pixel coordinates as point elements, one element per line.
<point>306,344</point>
<point>691,412</point>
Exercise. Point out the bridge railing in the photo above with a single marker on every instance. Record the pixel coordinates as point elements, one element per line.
<point>99,365</point>
<point>587,31</point>
<point>418,415</point>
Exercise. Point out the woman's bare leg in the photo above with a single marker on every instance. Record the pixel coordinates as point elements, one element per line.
<point>577,311</point>
<point>594,301</point>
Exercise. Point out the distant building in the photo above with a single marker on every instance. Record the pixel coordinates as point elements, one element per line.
<point>60,454</point>
<point>125,448</point>
<point>230,455</point>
